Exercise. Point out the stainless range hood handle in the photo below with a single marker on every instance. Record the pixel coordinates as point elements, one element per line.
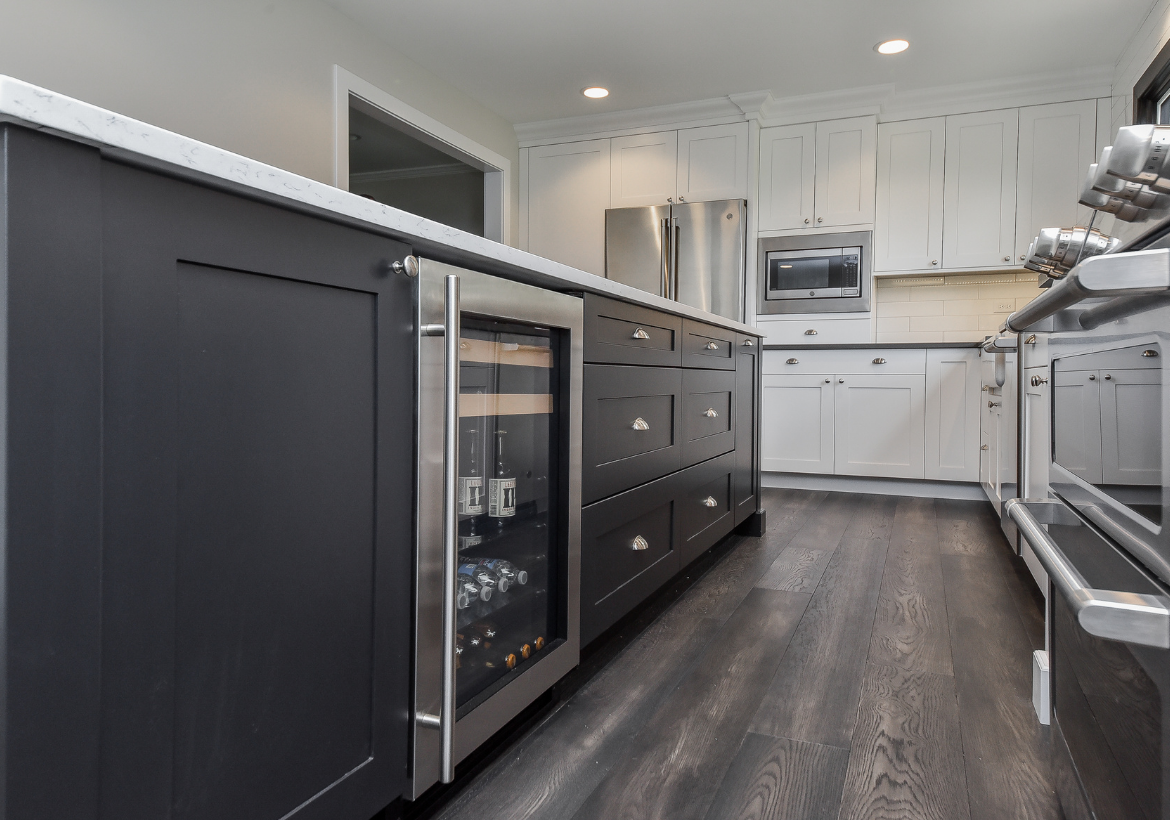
<point>449,330</point>
<point>1108,614</point>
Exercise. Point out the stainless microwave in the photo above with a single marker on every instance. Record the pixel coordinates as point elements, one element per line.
<point>819,273</point>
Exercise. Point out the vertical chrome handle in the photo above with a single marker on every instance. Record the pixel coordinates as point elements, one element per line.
<point>675,241</point>
<point>450,527</point>
<point>664,258</point>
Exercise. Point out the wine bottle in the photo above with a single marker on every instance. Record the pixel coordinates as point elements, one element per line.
<point>486,631</point>
<point>502,488</point>
<point>469,534</point>
<point>471,484</point>
<point>484,576</point>
<point>505,569</point>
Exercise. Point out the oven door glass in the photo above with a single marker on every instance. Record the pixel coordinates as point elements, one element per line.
<point>1109,697</point>
<point>507,598</point>
<point>1107,423</point>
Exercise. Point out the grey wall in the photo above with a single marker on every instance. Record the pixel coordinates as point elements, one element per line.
<point>252,76</point>
<point>453,199</point>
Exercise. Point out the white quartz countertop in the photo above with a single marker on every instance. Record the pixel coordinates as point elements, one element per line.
<point>132,141</point>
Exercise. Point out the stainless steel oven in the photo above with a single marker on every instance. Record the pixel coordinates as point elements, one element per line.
<point>499,368</point>
<point>1101,534</point>
<point>820,273</point>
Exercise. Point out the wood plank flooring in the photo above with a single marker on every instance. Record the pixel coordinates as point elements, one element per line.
<point>868,658</point>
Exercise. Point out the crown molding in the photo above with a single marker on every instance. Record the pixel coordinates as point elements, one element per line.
<point>883,101</point>
<point>619,123</point>
<point>445,169</point>
<point>1035,89</point>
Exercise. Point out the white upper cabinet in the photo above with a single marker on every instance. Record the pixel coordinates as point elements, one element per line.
<point>845,158</point>
<point>1057,144</point>
<point>979,190</point>
<point>567,189</point>
<point>712,163</point>
<point>908,224</point>
<point>787,166</point>
<point>643,169</point>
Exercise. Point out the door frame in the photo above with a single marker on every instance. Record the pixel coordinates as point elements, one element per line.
<point>497,170</point>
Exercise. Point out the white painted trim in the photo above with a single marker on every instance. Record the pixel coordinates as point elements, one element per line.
<point>877,486</point>
<point>442,170</point>
<point>885,101</point>
<point>497,184</point>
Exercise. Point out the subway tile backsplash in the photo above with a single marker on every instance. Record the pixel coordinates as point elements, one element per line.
<point>957,307</point>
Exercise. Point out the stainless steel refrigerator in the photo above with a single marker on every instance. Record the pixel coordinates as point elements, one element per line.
<point>692,252</point>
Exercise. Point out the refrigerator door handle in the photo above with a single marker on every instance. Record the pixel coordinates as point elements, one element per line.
<point>449,330</point>
<point>675,241</point>
<point>664,258</point>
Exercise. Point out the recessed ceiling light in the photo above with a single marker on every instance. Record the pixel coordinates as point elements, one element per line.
<point>891,47</point>
<point>596,92</point>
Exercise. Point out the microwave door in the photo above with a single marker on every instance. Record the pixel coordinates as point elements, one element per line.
<point>708,256</point>
<point>636,246</point>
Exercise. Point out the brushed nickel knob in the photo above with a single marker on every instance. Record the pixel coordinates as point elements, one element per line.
<point>710,501</point>
<point>1092,377</point>
<point>982,446</point>
<point>1031,340</point>
<point>806,220</point>
<point>682,199</point>
<point>1007,259</point>
<point>640,334</point>
<point>1039,380</point>
<point>640,424</point>
<point>409,266</point>
<point>792,361</point>
<point>828,381</point>
<point>934,261</point>
<point>1108,378</point>
<point>840,381</point>
<point>820,219</point>
<point>639,543</point>
<point>1023,256</point>
<point>991,404</point>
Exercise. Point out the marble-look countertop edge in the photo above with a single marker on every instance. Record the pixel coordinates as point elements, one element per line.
<point>132,141</point>
<point>877,346</point>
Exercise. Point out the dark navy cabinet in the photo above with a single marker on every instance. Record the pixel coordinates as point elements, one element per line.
<point>208,406</point>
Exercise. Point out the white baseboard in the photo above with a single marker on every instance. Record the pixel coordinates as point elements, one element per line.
<point>878,486</point>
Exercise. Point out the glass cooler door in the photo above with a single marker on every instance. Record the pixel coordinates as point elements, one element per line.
<point>507,598</point>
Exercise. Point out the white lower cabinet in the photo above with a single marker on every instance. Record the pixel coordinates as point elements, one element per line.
<point>880,425</point>
<point>895,413</point>
<point>796,434</point>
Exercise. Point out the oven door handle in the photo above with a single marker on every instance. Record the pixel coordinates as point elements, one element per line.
<point>1108,614</point>
<point>449,330</point>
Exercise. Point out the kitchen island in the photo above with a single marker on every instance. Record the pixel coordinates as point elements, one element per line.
<point>211,470</point>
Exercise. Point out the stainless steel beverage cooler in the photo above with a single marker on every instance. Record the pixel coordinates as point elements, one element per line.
<point>498,504</point>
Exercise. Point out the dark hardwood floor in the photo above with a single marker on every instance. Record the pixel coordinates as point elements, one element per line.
<point>868,658</point>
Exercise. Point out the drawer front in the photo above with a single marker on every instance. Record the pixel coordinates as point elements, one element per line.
<point>708,414</point>
<point>630,427</point>
<point>707,346</point>
<point>870,361</point>
<point>627,552</point>
<point>703,507</point>
<point>620,333</point>
<point>824,331</point>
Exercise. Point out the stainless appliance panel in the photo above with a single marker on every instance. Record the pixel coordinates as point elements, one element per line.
<point>636,247</point>
<point>491,298</point>
<point>707,255</point>
<point>824,301</point>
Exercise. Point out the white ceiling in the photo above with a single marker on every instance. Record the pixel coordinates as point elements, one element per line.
<point>529,59</point>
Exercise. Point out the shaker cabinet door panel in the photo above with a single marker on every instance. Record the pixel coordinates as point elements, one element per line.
<point>712,163</point>
<point>642,169</point>
<point>979,191</point>
<point>1131,410</point>
<point>846,157</point>
<point>908,225</point>
<point>796,425</point>
<point>953,392</point>
<point>258,509</point>
<point>880,426</point>
<point>787,170</point>
<point>1057,144</point>
<point>568,192</point>
<point>1076,423</point>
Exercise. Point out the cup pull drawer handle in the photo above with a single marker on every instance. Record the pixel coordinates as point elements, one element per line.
<point>1150,354</point>
<point>639,543</point>
<point>711,413</point>
<point>711,346</point>
<point>793,361</point>
<point>810,332</point>
<point>710,501</point>
<point>748,343</point>
<point>879,360</point>
<point>640,334</point>
<point>640,424</point>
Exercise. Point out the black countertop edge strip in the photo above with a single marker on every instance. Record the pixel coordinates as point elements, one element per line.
<point>877,346</point>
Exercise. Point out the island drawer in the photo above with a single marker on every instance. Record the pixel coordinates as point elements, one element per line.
<point>631,420</point>
<point>627,552</point>
<point>707,346</point>
<point>704,506</point>
<point>621,333</point>
<point>708,414</point>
